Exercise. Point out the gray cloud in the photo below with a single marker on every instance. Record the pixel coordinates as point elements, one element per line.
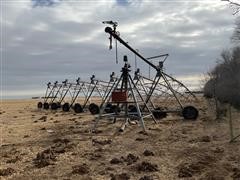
<point>68,40</point>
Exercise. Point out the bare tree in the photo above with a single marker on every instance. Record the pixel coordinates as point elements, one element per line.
<point>224,82</point>
<point>234,5</point>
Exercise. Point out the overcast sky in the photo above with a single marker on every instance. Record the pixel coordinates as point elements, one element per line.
<point>67,40</point>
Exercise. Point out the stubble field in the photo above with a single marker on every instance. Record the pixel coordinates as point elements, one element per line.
<point>45,144</point>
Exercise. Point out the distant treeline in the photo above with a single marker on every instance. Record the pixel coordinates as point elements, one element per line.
<point>224,82</point>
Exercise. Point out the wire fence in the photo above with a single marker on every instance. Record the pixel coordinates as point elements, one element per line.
<point>226,112</point>
<point>233,116</point>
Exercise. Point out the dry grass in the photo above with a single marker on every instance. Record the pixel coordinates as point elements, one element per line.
<point>39,144</point>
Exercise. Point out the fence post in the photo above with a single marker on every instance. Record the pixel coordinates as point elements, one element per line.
<point>230,122</point>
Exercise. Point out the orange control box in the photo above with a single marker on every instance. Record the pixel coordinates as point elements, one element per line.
<point>119,96</point>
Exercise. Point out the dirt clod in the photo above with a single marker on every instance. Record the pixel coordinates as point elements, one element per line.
<point>109,169</point>
<point>72,119</point>
<point>212,175</point>
<point>143,133</point>
<point>115,161</point>
<point>218,150</point>
<point>148,153</point>
<point>7,172</point>
<point>71,127</point>
<point>205,139</point>
<point>188,170</point>
<point>185,172</point>
<point>102,142</point>
<point>201,139</point>
<point>80,169</point>
<point>146,178</point>
<point>131,158</point>
<point>123,176</point>
<point>44,158</point>
<point>43,118</point>
<point>147,167</point>
<point>59,140</point>
<point>60,145</point>
<point>14,159</point>
<point>236,174</point>
<point>95,156</point>
<point>97,131</point>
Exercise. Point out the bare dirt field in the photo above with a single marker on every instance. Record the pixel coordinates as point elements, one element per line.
<point>41,144</point>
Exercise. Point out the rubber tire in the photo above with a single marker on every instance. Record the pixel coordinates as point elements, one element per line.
<point>190,113</point>
<point>78,108</point>
<point>90,106</point>
<point>94,109</point>
<point>45,106</point>
<point>132,109</point>
<point>66,107</point>
<point>115,109</point>
<point>108,108</point>
<point>160,114</point>
<point>54,106</point>
<point>40,105</point>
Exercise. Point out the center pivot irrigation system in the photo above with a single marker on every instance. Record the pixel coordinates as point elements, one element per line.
<point>76,96</point>
<point>125,97</point>
<point>130,103</point>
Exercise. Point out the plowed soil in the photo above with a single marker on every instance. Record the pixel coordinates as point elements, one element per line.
<point>46,144</point>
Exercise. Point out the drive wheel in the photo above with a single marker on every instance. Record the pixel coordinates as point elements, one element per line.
<point>132,109</point>
<point>115,109</point>
<point>45,106</point>
<point>66,107</point>
<point>190,112</point>
<point>40,105</point>
<point>108,108</point>
<point>94,109</point>
<point>54,106</point>
<point>78,108</point>
<point>159,114</point>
